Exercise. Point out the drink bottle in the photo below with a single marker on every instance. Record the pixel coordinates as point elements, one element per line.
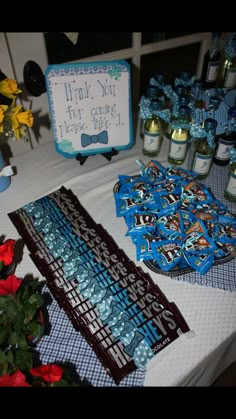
<point>205,150</point>
<point>226,141</point>
<point>152,131</point>
<point>211,62</point>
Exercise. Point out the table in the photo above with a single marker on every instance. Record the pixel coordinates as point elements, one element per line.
<point>194,359</point>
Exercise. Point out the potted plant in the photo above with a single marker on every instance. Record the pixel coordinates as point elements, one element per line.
<point>20,322</point>
<point>21,325</point>
<point>13,123</point>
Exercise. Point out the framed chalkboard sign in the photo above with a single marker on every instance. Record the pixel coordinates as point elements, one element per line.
<point>90,107</point>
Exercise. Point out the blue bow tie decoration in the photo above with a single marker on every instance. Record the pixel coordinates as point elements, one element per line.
<point>196,131</point>
<point>144,101</point>
<point>185,83</point>
<point>180,125</point>
<point>168,90</point>
<point>87,140</point>
<point>146,112</point>
<point>172,95</point>
<point>153,82</point>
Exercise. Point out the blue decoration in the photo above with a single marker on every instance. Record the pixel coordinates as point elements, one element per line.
<point>146,112</point>
<point>232,154</point>
<point>115,73</point>
<point>4,180</point>
<point>180,125</point>
<point>87,140</point>
<point>196,131</point>
<point>66,146</point>
<point>186,83</point>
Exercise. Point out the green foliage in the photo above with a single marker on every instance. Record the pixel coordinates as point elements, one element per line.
<point>19,321</point>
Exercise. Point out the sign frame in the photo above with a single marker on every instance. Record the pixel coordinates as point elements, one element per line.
<point>90,107</point>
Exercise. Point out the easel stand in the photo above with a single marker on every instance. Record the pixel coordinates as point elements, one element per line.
<point>81,158</point>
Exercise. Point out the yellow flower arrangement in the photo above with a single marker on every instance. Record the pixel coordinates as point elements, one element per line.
<point>13,118</point>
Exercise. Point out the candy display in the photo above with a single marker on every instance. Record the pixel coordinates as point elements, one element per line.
<point>175,222</point>
<point>124,316</point>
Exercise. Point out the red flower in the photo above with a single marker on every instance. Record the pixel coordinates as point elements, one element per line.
<point>49,373</point>
<point>6,251</point>
<point>9,285</point>
<point>17,379</point>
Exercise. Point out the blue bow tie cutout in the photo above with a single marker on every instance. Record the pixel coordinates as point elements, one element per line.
<point>86,139</point>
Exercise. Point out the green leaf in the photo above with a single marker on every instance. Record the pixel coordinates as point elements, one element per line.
<point>29,310</point>
<point>10,357</point>
<point>4,331</point>
<point>36,300</point>
<point>3,357</point>
<point>4,301</point>
<point>19,322</point>
<point>22,342</point>
<point>9,306</point>
<point>13,338</point>
<point>24,360</point>
<point>36,329</point>
<point>61,383</point>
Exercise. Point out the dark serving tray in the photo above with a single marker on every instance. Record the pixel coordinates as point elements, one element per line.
<point>151,264</point>
<point>183,271</point>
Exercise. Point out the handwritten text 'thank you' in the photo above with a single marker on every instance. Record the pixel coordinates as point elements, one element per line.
<point>78,94</point>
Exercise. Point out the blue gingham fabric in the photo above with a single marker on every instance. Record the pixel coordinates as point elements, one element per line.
<point>221,114</point>
<point>66,346</point>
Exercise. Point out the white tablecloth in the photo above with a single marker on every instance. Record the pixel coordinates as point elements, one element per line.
<point>192,359</point>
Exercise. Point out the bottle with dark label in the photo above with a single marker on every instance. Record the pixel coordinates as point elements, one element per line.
<point>152,131</point>
<point>205,150</point>
<point>230,189</point>
<point>226,77</point>
<point>179,137</point>
<point>211,62</point>
<point>226,141</point>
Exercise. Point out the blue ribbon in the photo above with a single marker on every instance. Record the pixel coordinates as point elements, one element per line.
<point>144,101</point>
<point>180,125</point>
<point>153,82</point>
<point>185,83</point>
<point>87,140</point>
<point>232,153</point>
<point>172,95</point>
<point>196,131</point>
<point>146,112</point>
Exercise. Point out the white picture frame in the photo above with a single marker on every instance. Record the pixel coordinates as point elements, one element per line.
<point>90,107</point>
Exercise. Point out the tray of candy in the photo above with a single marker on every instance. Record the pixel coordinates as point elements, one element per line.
<point>176,271</point>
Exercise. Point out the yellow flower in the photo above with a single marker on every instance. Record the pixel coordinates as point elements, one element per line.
<point>9,88</point>
<point>15,118</point>
<point>26,118</point>
<point>3,109</point>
